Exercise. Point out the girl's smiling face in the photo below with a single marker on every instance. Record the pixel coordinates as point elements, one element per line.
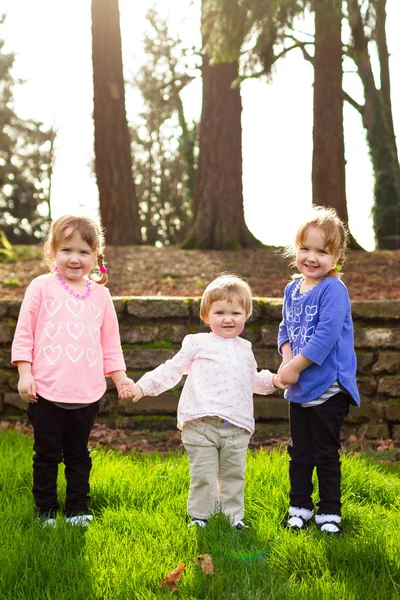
<point>313,259</point>
<point>74,257</point>
<point>226,319</point>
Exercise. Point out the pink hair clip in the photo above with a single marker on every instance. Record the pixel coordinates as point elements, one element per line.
<point>103,269</point>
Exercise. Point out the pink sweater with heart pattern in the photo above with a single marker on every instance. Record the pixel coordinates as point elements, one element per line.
<point>72,344</point>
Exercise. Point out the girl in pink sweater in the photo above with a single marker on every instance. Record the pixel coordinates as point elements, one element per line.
<point>66,342</point>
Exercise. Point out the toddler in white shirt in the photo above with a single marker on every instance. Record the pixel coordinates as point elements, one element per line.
<point>215,410</point>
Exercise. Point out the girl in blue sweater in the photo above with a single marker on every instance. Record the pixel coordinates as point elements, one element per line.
<point>319,364</point>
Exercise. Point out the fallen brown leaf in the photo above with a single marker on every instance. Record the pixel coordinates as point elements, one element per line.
<point>206,563</point>
<point>172,578</point>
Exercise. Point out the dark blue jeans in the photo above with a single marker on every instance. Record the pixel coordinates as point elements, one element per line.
<point>61,435</point>
<point>315,442</point>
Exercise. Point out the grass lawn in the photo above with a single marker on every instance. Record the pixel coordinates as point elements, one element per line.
<point>139,535</point>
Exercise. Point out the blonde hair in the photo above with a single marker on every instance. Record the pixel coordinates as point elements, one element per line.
<point>90,232</point>
<point>334,230</point>
<point>226,287</point>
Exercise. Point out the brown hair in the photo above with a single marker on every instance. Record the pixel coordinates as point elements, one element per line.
<point>90,232</point>
<point>335,232</point>
<point>226,287</point>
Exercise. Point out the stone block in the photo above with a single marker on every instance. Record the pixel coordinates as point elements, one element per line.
<point>388,362</point>
<point>389,385</point>
<point>173,333</point>
<point>396,433</point>
<point>271,308</point>
<point>7,331</point>
<point>364,361</point>
<point>264,432</point>
<point>270,407</point>
<point>366,385</point>
<point>5,358</point>
<point>146,358</point>
<point>139,334</point>
<point>159,307</point>
<point>359,414</point>
<point>392,410</point>
<point>165,404</point>
<point>14,400</point>
<point>267,359</point>
<point>376,337</point>
<point>120,306</point>
<point>269,336</point>
<point>10,308</point>
<point>372,309</point>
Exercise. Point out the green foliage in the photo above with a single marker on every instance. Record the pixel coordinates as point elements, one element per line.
<point>26,159</point>
<point>164,144</point>
<point>140,534</point>
<point>254,30</point>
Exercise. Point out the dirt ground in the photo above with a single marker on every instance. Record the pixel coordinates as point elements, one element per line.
<point>150,271</point>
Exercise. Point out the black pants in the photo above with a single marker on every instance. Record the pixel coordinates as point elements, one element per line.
<point>61,435</point>
<point>315,442</point>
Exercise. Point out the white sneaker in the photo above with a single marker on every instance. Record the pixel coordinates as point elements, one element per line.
<point>47,521</point>
<point>198,523</point>
<point>82,520</point>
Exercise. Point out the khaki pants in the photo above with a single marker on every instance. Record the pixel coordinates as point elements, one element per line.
<point>217,456</point>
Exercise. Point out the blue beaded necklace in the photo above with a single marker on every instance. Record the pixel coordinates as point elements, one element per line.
<point>70,291</point>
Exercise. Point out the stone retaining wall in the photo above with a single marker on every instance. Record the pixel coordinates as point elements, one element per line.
<point>152,330</point>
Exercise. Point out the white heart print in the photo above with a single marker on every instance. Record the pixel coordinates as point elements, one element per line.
<point>52,329</point>
<point>75,330</point>
<point>52,353</point>
<point>94,333</point>
<point>95,311</point>
<point>75,307</point>
<point>52,305</point>
<point>91,356</point>
<point>74,353</point>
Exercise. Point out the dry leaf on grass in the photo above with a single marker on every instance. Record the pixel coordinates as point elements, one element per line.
<point>206,563</point>
<point>172,578</point>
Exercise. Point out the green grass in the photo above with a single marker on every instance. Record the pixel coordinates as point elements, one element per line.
<point>139,535</point>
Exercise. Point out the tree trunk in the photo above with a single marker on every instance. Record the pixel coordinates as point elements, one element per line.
<point>218,208</point>
<point>328,164</point>
<point>113,161</point>
<point>386,210</point>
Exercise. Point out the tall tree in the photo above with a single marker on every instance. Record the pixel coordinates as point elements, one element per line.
<point>328,165</point>
<point>218,209</point>
<point>113,161</point>
<point>377,120</point>
<point>26,162</point>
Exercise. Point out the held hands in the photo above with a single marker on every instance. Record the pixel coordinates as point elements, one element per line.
<point>137,393</point>
<point>125,388</point>
<point>27,388</point>
<point>276,381</point>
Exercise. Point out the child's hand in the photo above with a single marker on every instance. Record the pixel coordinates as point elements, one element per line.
<point>276,380</point>
<point>289,374</point>
<point>137,393</point>
<point>27,388</point>
<point>125,388</point>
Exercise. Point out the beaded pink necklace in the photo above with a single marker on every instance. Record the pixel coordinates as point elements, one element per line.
<point>68,289</point>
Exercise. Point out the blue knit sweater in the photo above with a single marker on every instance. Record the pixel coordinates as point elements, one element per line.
<point>319,326</point>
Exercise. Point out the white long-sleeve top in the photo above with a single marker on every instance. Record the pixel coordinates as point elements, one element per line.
<point>222,377</point>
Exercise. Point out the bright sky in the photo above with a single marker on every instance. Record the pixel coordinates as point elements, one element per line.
<point>52,40</point>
